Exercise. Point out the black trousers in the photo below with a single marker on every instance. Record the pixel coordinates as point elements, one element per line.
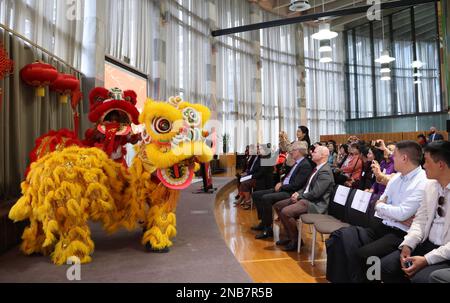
<point>391,271</point>
<point>383,240</point>
<point>264,200</point>
<point>349,248</point>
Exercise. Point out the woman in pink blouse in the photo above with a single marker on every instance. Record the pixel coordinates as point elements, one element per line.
<point>352,167</point>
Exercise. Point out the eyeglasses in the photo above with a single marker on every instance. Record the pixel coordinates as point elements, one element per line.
<point>440,209</point>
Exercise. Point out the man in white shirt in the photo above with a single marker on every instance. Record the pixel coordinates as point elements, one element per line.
<point>426,247</point>
<point>399,202</point>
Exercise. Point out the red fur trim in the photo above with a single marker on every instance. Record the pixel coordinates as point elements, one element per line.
<point>96,114</point>
<point>130,96</point>
<point>97,96</point>
<point>54,138</point>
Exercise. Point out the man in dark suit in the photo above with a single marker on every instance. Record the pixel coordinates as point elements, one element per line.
<point>434,136</point>
<point>313,198</point>
<point>294,180</point>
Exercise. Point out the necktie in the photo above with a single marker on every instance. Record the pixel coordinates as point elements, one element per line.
<point>312,174</point>
<point>310,178</point>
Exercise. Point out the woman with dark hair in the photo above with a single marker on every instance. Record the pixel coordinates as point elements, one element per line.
<point>385,166</point>
<point>332,158</point>
<point>342,155</point>
<point>245,165</point>
<point>351,170</point>
<point>303,134</point>
<point>250,162</point>
<point>369,154</point>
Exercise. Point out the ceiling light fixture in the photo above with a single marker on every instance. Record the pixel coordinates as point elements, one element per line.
<point>385,58</point>
<point>325,57</point>
<point>325,46</point>
<point>324,29</point>
<point>324,32</point>
<point>299,5</point>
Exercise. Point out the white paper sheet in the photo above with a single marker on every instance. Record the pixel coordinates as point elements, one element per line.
<point>361,200</point>
<point>341,195</point>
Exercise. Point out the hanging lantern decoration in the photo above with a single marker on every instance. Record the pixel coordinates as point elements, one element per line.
<point>65,85</point>
<point>39,75</point>
<point>6,68</point>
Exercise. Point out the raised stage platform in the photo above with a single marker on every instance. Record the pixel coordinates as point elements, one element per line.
<point>199,253</point>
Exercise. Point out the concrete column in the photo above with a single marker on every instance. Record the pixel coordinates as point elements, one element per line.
<point>301,75</point>
<point>256,17</point>
<point>212,67</point>
<point>93,53</point>
<point>158,90</point>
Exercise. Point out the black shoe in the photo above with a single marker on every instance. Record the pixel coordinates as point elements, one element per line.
<point>149,248</point>
<point>282,242</point>
<point>265,234</point>
<point>257,227</point>
<point>292,246</point>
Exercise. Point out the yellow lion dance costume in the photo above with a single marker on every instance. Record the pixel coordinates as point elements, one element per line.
<point>66,188</point>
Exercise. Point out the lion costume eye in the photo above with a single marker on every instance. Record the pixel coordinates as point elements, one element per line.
<point>191,116</point>
<point>161,125</point>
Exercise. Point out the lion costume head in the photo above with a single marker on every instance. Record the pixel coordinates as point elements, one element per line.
<point>175,140</point>
<point>113,109</point>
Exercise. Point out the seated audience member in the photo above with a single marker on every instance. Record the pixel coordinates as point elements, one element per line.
<point>246,187</point>
<point>434,135</point>
<point>352,139</point>
<point>426,247</point>
<point>279,168</point>
<point>342,155</point>
<point>349,248</point>
<point>249,161</point>
<point>262,177</point>
<point>440,276</point>
<point>280,165</point>
<point>313,198</point>
<point>295,179</point>
<point>422,140</point>
<point>244,166</point>
<point>383,169</point>
<point>368,154</point>
<point>332,159</point>
<point>350,171</point>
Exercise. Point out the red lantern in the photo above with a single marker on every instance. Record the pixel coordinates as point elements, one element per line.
<point>6,68</point>
<point>39,75</point>
<point>65,85</point>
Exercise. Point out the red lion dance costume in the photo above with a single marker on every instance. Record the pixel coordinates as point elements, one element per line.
<point>112,111</point>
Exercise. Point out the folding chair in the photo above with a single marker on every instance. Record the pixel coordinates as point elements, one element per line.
<point>336,213</point>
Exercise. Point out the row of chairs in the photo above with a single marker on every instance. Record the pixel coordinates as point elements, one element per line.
<point>347,207</point>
